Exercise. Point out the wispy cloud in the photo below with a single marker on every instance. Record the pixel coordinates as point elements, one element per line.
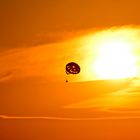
<point>66,119</point>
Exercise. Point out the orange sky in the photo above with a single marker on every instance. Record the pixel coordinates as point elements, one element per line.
<point>26,22</point>
<point>40,70</point>
<point>49,60</point>
<point>26,74</point>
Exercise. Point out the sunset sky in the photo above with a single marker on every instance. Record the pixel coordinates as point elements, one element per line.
<point>38,38</point>
<point>32,22</point>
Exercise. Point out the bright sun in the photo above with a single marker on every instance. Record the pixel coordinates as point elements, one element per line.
<point>115,59</point>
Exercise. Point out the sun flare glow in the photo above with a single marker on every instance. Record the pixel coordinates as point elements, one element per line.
<point>115,60</point>
<point>111,55</point>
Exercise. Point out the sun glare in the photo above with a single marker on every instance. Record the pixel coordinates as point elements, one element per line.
<point>115,59</point>
<point>110,54</point>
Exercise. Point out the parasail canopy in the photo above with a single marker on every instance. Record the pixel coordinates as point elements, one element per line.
<point>72,68</point>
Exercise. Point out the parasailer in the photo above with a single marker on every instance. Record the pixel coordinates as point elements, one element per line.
<point>72,68</point>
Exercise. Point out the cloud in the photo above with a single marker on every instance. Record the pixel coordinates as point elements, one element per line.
<point>67,119</point>
<point>49,60</point>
